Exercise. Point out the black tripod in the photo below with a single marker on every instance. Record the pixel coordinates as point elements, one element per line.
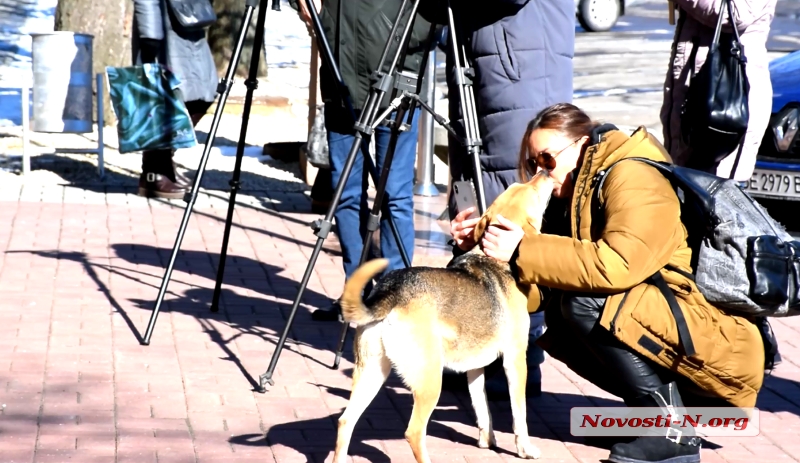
<point>224,89</point>
<point>405,97</point>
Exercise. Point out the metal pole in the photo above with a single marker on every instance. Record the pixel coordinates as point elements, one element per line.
<point>424,185</point>
<point>101,170</point>
<point>26,154</point>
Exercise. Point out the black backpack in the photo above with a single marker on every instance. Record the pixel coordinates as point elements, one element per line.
<point>716,112</point>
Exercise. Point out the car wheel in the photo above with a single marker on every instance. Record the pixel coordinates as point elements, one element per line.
<point>598,15</point>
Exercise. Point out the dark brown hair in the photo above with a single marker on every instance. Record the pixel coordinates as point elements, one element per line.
<point>565,118</point>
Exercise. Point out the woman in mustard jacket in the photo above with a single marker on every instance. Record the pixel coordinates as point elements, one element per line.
<point>605,320</point>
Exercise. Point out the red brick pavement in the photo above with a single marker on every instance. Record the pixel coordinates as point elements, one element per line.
<point>77,283</point>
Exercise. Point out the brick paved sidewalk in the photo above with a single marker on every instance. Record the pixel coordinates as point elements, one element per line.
<point>79,272</point>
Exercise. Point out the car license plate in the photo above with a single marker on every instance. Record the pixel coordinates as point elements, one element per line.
<point>775,184</point>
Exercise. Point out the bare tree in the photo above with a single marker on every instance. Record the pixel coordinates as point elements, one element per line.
<point>223,34</point>
<point>110,22</point>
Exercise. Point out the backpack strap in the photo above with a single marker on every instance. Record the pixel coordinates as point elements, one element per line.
<point>683,329</point>
<point>656,279</point>
<point>600,178</point>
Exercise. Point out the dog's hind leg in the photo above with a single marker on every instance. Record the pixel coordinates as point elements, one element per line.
<point>369,375</point>
<point>426,396</point>
<point>517,371</point>
<point>477,391</point>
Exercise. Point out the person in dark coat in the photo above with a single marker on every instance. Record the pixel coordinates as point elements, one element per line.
<point>159,37</point>
<point>521,51</point>
<point>357,32</point>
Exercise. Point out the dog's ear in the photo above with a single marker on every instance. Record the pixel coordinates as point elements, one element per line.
<point>482,224</point>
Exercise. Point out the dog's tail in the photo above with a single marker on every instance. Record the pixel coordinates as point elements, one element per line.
<point>353,308</point>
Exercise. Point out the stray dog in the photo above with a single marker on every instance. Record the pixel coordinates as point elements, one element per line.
<point>462,317</point>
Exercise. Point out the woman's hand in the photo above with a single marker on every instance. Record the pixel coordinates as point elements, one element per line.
<point>463,229</point>
<point>500,241</point>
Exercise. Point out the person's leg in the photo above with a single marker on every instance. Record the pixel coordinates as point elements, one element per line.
<point>197,109</point>
<point>399,191</point>
<point>321,192</point>
<point>638,381</point>
<point>351,212</point>
<point>158,176</point>
<point>635,375</point>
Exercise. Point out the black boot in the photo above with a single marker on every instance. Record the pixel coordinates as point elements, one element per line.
<point>674,445</point>
<point>334,312</point>
<point>158,177</point>
<point>331,314</point>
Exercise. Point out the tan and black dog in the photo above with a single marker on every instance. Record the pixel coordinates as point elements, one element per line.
<point>422,319</point>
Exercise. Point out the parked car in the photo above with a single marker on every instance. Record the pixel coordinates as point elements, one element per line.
<point>600,15</point>
<point>777,173</point>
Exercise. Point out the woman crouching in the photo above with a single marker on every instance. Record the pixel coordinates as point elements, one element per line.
<point>606,320</point>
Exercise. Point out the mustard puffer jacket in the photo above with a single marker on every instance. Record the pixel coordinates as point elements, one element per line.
<point>634,233</point>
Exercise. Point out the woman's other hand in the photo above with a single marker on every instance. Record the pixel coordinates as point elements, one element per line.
<point>501,240</point>
<point>462,229</point>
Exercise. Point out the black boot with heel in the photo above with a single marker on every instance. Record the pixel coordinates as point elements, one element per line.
<point>674,445</point>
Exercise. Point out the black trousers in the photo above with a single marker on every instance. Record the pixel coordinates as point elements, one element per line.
<point>596,355</point>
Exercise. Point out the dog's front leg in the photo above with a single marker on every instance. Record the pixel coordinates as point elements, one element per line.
<point>477,392</point>
<point>517,373</point>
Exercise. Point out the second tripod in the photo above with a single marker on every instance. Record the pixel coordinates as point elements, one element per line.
<point>405,90</point>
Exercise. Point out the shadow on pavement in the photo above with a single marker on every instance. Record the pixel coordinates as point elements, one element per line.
<point>453,421</point>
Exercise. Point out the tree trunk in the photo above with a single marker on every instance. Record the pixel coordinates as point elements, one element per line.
<point>110,22</point>
<point>222,37</point>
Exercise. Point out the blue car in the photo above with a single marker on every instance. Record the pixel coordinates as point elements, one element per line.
<point>777,173</point>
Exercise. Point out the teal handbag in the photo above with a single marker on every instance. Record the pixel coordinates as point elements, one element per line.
<point>151,115</point>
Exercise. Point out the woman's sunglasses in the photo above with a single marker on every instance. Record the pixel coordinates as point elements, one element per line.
<point>545,160</point>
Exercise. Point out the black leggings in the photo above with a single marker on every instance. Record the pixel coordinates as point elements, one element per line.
<point>602,359</point>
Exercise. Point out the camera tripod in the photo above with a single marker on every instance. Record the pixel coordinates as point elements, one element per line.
<point>223,89</point>
<point>405,90</point>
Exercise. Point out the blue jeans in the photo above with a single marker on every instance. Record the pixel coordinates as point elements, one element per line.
<point>353,211</point>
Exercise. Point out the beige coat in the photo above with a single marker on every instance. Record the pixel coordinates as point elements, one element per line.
<point>698,18</point>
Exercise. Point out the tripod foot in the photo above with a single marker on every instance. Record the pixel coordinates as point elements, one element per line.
<point>263,380</point>
<point>340,349</point>
<point>215,308</point>
<point>145,342</point>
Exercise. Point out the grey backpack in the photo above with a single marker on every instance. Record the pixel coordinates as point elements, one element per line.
<point>743,260</point>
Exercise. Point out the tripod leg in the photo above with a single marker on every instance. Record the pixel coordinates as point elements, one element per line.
<point>252,84</point>
<point>362,126</point>
<point>344,93</point>
<point>369,164</point>
<point>323,229</point>
<point>464,75</point>
<point>382,191</point>
<point>374,217</point>
<point>223,89</point>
